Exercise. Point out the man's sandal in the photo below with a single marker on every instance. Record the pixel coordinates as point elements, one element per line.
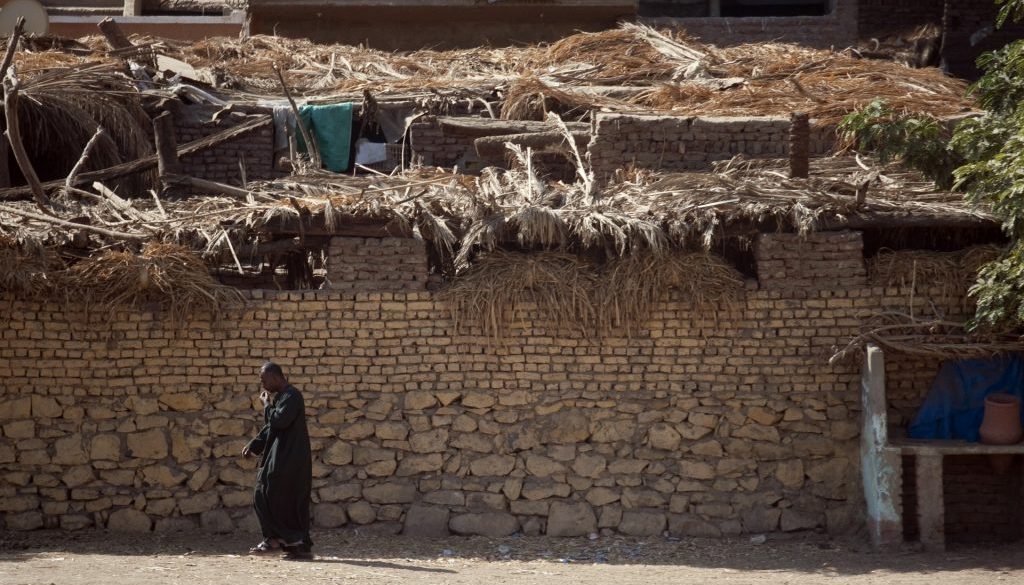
<point>265,548</point>
<point>296,553</point>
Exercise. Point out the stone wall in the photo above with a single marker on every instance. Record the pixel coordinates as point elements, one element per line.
<point>377,264</point>
<point>838,29</point>
<point>680,143</point>
<point>223,162</point>
<point>702,424</point>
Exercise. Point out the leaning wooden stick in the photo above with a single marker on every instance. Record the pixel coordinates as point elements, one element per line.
<point>314,151</point>
<point>11,86</point>
<point>69,183</point>
<point>12,46</point>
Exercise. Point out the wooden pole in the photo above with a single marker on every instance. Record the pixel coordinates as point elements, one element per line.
<point>11,86</point>
<point>145,163</point>
<point>12,48</point>
<point>205,186</point>
<point>799,145</point>
<point>311,145</point>
<point>166,148</point>
<point>70,224</point>
<point>12,45</point>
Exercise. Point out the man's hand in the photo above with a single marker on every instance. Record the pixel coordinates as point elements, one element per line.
<point>265,398</point>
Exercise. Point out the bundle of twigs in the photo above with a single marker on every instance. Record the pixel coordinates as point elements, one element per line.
<point>933,337</point>
<point>27,273</point>
<point>169,278</point>
<point>954,272</point>
<point>591,299</point>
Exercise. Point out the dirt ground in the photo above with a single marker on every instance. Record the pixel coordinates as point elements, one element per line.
<point>348,557</point>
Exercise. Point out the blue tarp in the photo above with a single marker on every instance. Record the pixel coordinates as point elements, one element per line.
<point>955,403</point>
<point>331,127</point>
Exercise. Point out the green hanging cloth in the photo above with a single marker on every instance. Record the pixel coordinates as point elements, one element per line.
<point>331,126</point>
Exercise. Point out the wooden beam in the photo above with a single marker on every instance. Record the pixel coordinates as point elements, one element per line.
<point>205,186</point>
<point>490,127</point>
<point>166,147</point>
<point>493,147</point>
<point>114,35</point>
<point>145,163</point>
<point>348,225</point>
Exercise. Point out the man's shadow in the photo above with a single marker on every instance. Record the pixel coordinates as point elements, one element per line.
<point>378,564</point>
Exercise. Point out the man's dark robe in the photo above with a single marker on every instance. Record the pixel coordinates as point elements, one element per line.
<point>282,495</point>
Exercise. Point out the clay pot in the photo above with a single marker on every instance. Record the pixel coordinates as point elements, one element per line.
<point>1001,424</point>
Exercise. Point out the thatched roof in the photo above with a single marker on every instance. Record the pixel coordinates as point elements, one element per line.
<point>642,212</point>
<point>88,237</point>
<point>631,69</point>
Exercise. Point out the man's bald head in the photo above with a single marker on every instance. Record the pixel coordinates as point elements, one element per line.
<point>272,377</point>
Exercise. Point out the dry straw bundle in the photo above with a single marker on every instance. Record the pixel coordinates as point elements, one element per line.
<point>27,273</point>
<point>953,272</point>
<point>503,289</point>
<point>166,277</point>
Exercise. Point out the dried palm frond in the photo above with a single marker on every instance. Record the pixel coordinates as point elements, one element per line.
<point>632,285</point>
<point>61,109</point>
<point>25,272</point>
<point>503,287</point>
<point>953,272</point>
<point>530,98</point>
<point>577,295</point>
<point>932,337</point>
<point>167,277</point>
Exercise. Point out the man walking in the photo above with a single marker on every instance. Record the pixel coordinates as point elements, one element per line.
<point>282,495</point>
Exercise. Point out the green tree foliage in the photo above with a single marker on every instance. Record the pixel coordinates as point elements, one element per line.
<point>982,157</point>
<point>920,141</point>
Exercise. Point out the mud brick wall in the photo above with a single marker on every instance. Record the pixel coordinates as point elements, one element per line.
<point>838,29</point>
<point>221,163</point>
<point>794,261</point>
<point>377,264</point>
<point>433,147</point>
<point>972,32</point>
<point>981,505</point>
<point>878,18</point>
<point>703,424</point>
<point>678,143</point>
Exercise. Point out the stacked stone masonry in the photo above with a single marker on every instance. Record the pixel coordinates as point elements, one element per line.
<point>704,424</point>
<point>377,264</point>
<point>680,143</point>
